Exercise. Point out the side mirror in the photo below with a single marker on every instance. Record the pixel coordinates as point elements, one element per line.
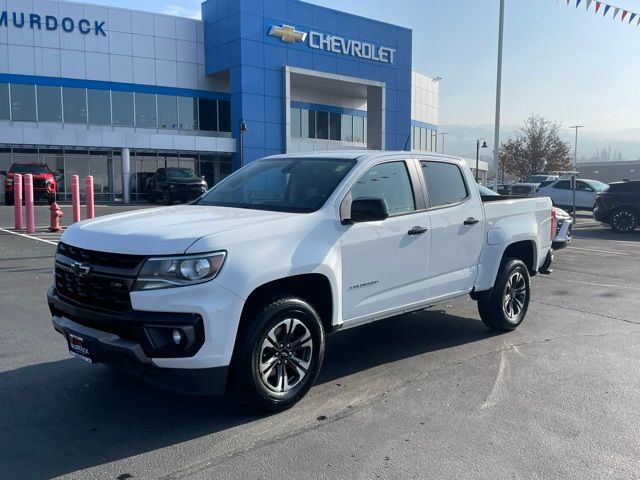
<point>368,210</point>
<point>3,172</point>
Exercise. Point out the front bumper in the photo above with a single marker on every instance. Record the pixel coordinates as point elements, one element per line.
<point>600,214</point>
<point>122,340</point>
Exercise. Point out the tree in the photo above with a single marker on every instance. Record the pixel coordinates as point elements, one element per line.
<point>537,148</point>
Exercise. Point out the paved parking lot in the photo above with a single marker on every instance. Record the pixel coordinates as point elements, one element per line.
<point>427,395</point>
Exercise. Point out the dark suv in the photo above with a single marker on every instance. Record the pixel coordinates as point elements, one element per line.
<point>171,184</point>
<point>619,206</point>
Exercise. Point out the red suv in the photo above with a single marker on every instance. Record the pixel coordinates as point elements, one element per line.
<point>44,181</point>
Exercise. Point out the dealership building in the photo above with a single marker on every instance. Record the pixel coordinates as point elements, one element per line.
<point>118,93</point>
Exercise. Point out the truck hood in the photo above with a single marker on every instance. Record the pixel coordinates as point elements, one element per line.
<point>161,231</point>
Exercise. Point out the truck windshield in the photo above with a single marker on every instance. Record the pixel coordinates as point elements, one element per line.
<point>29,168</point>
<point>297,185</point>
<point>181,173</point>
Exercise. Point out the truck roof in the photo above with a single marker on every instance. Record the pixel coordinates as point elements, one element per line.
<point>365,155</point>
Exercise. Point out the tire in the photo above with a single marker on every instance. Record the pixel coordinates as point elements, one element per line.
<point>166,198</point>
<point>507,316</point>
<point>258,378</point>
<point>8,199</point>
<point>624,220</point>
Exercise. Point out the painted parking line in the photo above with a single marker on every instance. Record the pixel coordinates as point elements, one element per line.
<point>609,252</point>
<point>32,237</point>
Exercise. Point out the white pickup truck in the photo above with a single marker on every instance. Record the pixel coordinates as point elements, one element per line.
<point>240,288</point>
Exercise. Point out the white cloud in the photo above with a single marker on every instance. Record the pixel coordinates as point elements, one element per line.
<point>180,11</point>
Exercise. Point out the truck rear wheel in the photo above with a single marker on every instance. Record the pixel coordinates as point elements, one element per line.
<point>505,309</point>
<point>278,354</point>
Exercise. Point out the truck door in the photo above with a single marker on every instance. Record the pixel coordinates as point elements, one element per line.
<point>384,263</point>
<point>457,229</point>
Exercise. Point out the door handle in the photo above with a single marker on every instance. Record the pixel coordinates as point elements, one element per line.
<point>471,221</point>
<point>417,230</point>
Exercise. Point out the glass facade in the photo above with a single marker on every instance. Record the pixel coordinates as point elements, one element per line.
<point>146,110</point>
<point>325,125</point>
<point>74,101</point>
<point>23,103</point>
<point>4,102</point>
<point>122,109</point>
<point>106,168</point>
<point>99,102</point>
<point>42,103</point>
<point>424,139</point>
<point>167,112</point>
<point>49,106</point>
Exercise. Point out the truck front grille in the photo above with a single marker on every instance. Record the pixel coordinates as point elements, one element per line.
<point>96,280</point>
<point>93,291</point>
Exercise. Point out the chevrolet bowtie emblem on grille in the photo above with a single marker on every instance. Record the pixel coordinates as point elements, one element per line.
<point>80,269</point>
<point>288,34</point>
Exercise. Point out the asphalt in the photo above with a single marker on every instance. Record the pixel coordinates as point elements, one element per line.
<point>431,394</point>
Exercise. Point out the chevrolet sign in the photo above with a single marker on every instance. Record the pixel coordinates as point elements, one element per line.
<point>334,44</point>
<point>288,34</point>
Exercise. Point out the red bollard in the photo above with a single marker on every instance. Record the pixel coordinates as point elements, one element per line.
<point>56,215</point>
<point>75,197</point>
<point>17,200</point>
<point>28,202</point>
<point>88,192</point>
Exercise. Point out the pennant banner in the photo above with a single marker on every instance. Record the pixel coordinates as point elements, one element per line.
<point>607,6</point>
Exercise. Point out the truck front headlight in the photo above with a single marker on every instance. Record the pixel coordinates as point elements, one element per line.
<point>169,272</point>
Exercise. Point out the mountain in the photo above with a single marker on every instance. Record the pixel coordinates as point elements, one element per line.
<point>593,146</point>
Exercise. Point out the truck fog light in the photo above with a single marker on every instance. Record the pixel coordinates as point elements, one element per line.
<point>177,336</point>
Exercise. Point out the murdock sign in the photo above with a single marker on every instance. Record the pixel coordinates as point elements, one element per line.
<point>334,43</point>
<point>51,23</point>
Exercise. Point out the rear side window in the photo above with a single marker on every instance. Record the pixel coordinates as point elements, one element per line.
<point>389,181</point>
<point>628,187</point>
<point>445,183</point>
<point>563,185</point>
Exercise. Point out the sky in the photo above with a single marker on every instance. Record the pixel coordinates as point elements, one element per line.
<point>560,61</point>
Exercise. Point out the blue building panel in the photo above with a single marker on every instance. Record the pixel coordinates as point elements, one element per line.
<point>237,34</point>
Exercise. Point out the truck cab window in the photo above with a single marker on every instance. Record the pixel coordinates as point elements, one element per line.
<point>389,181</point>
<point>445,183</point>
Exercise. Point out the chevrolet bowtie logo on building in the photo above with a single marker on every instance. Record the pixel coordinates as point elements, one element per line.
<point>334,44</point>
<point>288,34</point>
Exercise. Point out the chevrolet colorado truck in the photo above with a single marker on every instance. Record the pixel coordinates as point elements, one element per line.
<point>239,288</point>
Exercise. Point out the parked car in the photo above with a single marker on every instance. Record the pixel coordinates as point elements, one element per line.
<point>242,286</point>
<point>530,184</point>
<point>171,184</point>
<point>561,194</point>
<point>45,184</point>
<point>619,206</point>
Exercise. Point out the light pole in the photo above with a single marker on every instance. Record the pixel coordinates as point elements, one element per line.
<point>496,138</point>
<point>575,153</point>
<point>478,147</point>
<point>442,135</point>
<point>243,129</point>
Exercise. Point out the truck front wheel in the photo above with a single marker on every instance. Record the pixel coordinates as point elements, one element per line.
<point>507,305</point>
<point>278,354</point>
